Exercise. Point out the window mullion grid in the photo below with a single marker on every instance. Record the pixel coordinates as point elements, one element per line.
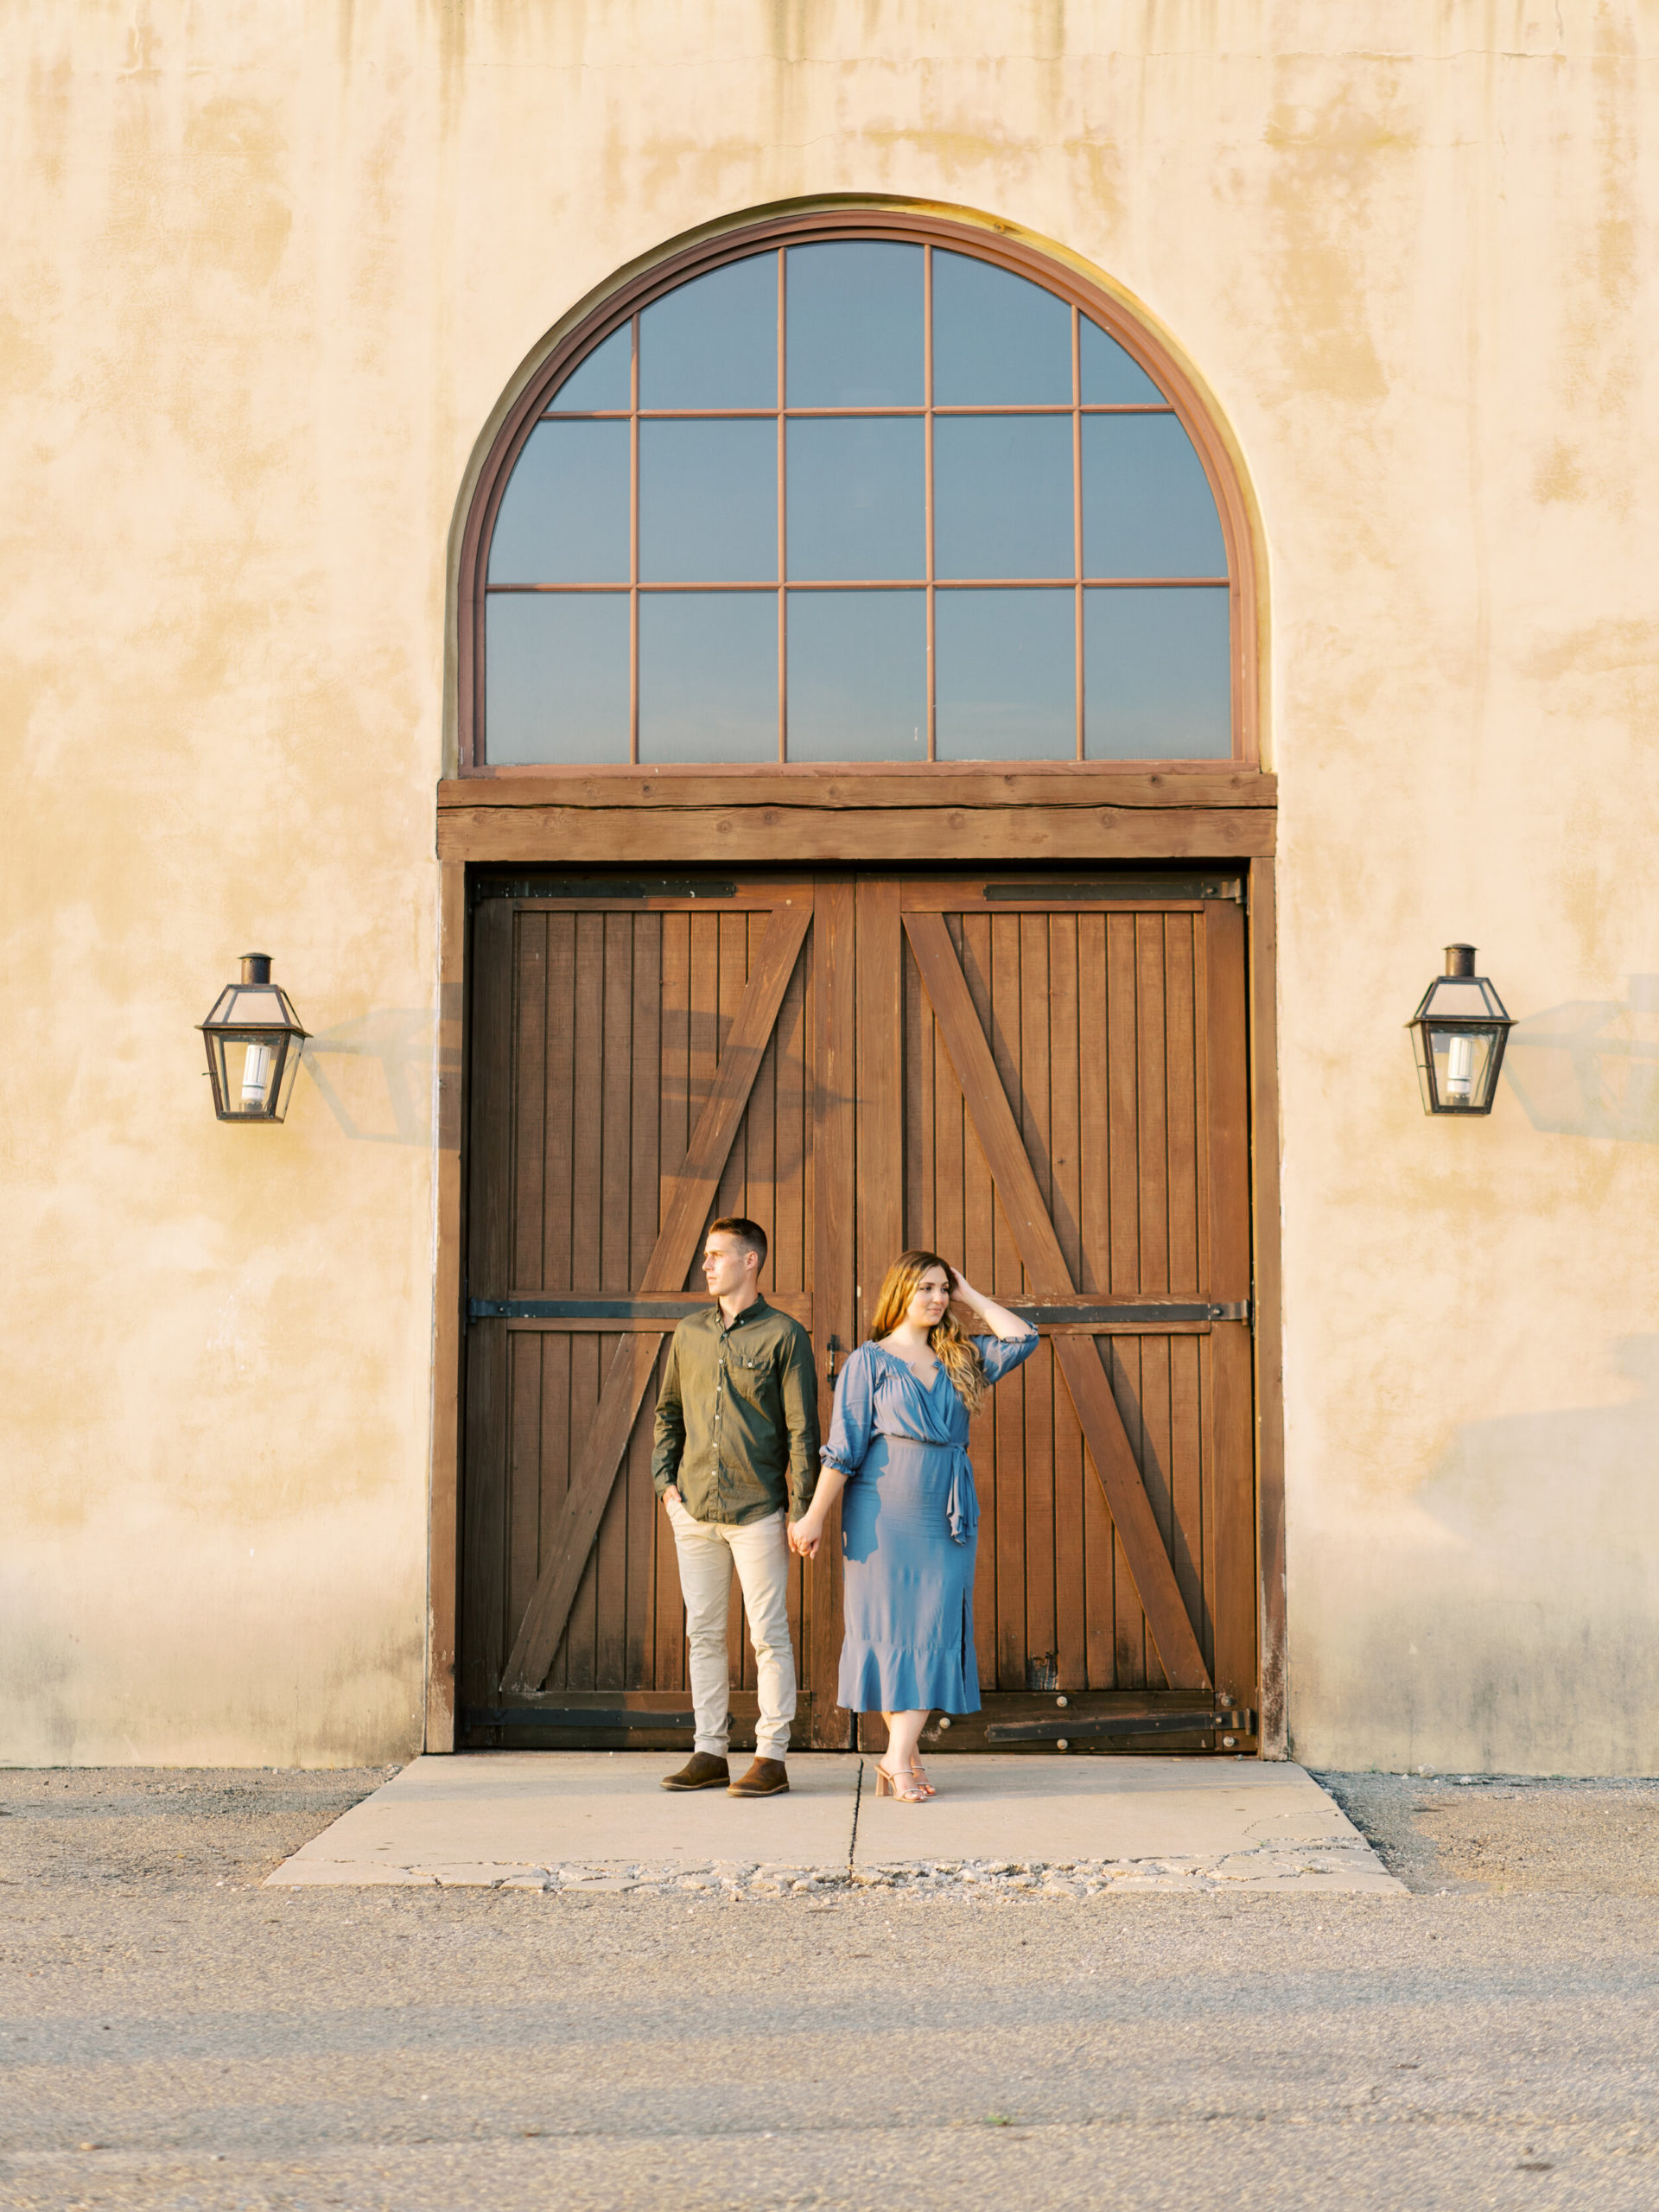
<point>633,547</point>
<point>1077,510</point>
<point>927,494</point>
<point>783,599</point>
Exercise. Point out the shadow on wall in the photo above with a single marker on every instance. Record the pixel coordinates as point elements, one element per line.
<point>1591,1068</point>
<point>1519,1636</point>
<point>375,1075</point>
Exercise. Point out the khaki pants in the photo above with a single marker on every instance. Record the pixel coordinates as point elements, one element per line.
<point>760,1550</point>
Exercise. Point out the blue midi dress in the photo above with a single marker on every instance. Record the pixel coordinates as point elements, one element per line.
<point>909,1531</point>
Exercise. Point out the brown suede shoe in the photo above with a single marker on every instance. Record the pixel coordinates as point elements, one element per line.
<point>702,1770</point>
<point>763,1779</point>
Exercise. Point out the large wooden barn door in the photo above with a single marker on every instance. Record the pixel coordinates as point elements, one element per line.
<point>1046,1078</point>
<point>1056,1093</point>
<point>642,1061</point>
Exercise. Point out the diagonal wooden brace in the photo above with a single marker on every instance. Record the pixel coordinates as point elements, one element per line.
<point>1044,1263</point>
<point>636,1356</point>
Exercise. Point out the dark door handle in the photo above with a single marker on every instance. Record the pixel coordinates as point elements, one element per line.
<point>834,1349</point>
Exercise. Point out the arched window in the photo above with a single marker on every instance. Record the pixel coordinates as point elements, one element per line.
<point>856,498</point>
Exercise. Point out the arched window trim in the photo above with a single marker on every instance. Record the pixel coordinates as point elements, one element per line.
<point>898,226</point>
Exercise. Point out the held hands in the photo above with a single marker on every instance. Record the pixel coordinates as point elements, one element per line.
<point>805,1534</point>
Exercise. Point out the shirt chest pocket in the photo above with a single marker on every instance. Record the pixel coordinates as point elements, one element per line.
<point>752,1381</point>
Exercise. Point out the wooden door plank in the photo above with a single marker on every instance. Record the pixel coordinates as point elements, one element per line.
<point>1153,1117</point>
<point>557,1074</point>
<point>1039,1013</point>
<point>645,1078</point>
<point>999,1015</point>
<point>921,1161</point>
<point>1134,1661</point>
<point>1068,1019</point>
<point>1095,1174</point>
<point>670,1261</point>
<point>1045,1264</point>
<point>881,1127</point>
<point>834,1282</point>
<point>489,1227</point>
<point>1124,1164</point>
<point>530,1100</point>
<point>1268,1370</point>
<point>1182,1055</point>
<point>1234,1471</point>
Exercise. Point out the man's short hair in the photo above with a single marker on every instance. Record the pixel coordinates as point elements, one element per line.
<point>746,1231</point>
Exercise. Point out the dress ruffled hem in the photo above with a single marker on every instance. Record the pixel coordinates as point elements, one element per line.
<point>901,1679</point>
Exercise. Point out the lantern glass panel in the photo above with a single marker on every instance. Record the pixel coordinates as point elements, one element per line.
<point>1462,1067</point>
<point>1462,998</point>
<point>253,1074</point>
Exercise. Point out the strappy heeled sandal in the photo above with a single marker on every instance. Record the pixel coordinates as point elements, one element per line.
<point>919,1777</point>
<point>886,1785</point>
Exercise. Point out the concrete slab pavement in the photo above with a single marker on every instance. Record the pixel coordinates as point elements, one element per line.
<point>600,1820</point>
<point>595,1817</point>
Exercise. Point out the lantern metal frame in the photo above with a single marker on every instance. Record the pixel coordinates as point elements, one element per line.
<point>1458,1013</point>
<point>258,1014</point>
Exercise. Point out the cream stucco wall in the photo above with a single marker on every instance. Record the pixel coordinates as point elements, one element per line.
<point>269,269</point>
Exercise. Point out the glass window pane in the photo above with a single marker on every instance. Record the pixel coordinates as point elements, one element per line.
<point>1148,508</point>
<point>713,342</point>
<point>998,340</point>
<point>857,497</point>
<point>1002,495</point>
<point>556,677</point>
<point>857,675</point>
<point>708,502</point>
<point>565,515</point>
<point>1156,675</point>
<point>854,325</point>
<point>602,384</point>
<point>1006,687</point>
<point>1109,378</point>
<point>708,675</point>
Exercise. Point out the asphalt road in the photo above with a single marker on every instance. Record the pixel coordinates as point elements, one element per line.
<point>173,2035</point>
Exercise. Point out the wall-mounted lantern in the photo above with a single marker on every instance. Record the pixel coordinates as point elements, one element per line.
<point>1458,1033</point>
<point>254,1043</point>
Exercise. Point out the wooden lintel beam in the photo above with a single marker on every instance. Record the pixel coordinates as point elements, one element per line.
<point>795,836</point>
<point>878,787</point>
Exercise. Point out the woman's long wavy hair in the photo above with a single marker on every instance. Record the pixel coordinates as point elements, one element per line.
<point>955,1352</point>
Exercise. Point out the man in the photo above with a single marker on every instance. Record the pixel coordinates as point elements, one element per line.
<point>737,1441</point>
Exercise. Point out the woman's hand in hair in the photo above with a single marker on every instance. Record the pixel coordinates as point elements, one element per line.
<point>997,1318</point>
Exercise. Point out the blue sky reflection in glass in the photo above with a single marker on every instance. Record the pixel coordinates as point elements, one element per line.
<point>708,675</point>
<point>600,384</point>
<point>1006,675</point>
<point>857,675</point>
<point>558,676</point>
<point>713,342</point>
<point>854,325</point>
<point>857,498</point>
<point>564,519</point>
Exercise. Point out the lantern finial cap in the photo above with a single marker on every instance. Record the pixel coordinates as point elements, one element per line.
<point>256,968</point>
<point>1459,959</point>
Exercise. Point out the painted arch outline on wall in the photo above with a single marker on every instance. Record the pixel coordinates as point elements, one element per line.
<point>1128,381</point>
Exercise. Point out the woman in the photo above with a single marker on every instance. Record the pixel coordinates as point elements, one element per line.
<point>910,1522</point>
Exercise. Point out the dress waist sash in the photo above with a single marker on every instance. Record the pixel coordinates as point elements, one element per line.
<point>961,1500</point>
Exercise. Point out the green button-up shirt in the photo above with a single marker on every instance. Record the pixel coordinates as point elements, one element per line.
<point>737,1421</point>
